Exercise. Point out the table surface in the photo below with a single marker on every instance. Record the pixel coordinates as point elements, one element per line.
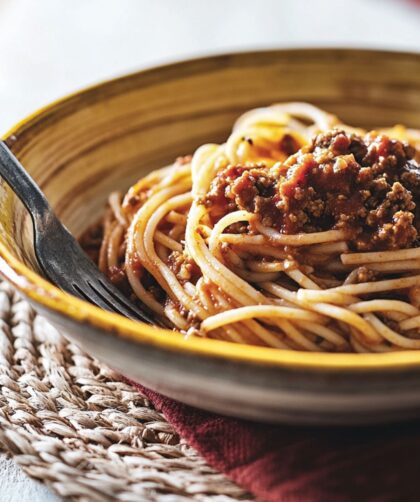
<point>15,486</point>
<point>51,48</point>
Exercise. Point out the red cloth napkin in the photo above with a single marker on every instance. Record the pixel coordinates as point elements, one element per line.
<point>296,464</point>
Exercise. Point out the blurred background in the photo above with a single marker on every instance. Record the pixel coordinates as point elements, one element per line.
<point>50,47</point>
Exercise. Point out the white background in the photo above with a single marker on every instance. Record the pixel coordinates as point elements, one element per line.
<point>51,47</point>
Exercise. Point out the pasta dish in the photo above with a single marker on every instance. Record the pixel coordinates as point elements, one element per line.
<point>299,233</point>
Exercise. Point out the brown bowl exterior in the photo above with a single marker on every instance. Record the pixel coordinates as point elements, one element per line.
<point>106,137</point>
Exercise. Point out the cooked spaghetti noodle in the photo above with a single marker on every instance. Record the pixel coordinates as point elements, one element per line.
<point>299,233</point>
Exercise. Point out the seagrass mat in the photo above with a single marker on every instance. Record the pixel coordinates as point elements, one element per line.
<point>71,422</point>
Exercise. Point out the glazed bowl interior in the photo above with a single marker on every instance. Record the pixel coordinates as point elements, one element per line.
<point>102,139</point>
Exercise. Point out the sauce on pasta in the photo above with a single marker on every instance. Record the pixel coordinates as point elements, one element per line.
<point>299,233</point>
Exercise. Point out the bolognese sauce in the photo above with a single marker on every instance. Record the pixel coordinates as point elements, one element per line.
<point>299,232</point>
<point>368,186</point>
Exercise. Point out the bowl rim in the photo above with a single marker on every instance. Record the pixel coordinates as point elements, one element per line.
<point>49,297</point>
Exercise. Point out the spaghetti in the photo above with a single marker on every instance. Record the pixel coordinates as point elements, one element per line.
<point>299,233</point>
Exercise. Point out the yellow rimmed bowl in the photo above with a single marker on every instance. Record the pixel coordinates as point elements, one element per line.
<point>87,145</point>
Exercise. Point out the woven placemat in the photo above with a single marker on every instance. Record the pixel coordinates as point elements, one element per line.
<point>69,421</point>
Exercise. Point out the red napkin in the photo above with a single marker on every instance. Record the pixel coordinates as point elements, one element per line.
<point>296,464</point>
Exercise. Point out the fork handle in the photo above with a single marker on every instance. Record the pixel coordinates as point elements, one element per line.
<point>12,171</point>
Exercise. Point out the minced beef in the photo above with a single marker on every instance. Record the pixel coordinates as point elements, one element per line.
<point>183,266</point>
<point>368,186</point>
<point>253,188</point>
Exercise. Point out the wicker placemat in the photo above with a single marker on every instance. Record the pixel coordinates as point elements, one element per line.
<point>70,421</point>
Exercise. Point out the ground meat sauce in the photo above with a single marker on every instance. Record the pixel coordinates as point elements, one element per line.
<point>368,186</point>
<point>183,267</point>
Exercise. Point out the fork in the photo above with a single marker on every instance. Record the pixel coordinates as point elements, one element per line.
<point>58,253</point>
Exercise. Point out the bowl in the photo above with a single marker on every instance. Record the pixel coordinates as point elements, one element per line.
<point>81,148</point>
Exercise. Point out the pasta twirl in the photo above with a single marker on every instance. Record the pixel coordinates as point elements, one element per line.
<point>299,233</point>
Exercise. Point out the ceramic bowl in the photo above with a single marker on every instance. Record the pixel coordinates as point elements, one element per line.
<point>86,145</point>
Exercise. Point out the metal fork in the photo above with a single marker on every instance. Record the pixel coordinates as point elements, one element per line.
<point>59,255</point>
